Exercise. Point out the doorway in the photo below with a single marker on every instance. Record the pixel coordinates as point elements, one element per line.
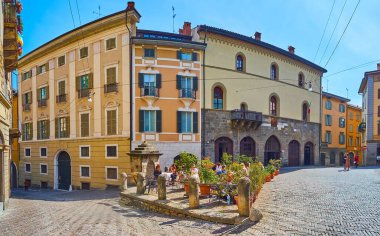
<point>272,149</point>
<point>294,153</point>
<point>64,171</point>
<point>223,145</point>
<point>309,154</point>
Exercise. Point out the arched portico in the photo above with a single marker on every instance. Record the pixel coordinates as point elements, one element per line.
<point>62,171</point>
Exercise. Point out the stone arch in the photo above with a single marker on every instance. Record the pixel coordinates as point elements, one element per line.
<point>240,62</point>
<point>274,71</point>
<point>224,90</point>
<point>248,146</point>
<point>272,149</point>
<point>294,153</point>
<point>305,111</point>
<point>309,154</point>
<point>223,145</point>
<point>270,101</point>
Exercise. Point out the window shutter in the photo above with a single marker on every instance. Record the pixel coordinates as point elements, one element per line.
<point>195,56</point>
<point>77,83</point>
<point>159,121</point>
<point>38,94</point>
<point>47,67</point>
<point>38,129</point>
<point>195,83</point>
<point>158,80</point>
<point>141,120</point>
<point>141,80</point>
<point>378,93</point>
<point>30,97</point>
<point>23,131</point>
<point>179,81</point>
<point>179,122</point>
<point>23,98</point>
<point>195,122</point>
<point>378,111</point>
<point>48,128</point>
<point>179,55</point>
<point>67,133</point>
<point>30,74</point>
<point>56,127</point>
<point>90,80</point>
<point>47,92</point>
<point>31,131</point>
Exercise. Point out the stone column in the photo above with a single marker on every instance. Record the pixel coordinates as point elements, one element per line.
<point>140,184</point>
<point>243,194</point>
<point>194,192</point>
<point>161,187</point>
<point>124,182</point>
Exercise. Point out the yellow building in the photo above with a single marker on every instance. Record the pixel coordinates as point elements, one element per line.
<point>74,106</point>
<point>354,142</point>
<point>333,129</point>
<point>259,100</point>
<point>14,134</point>
<point>167,92</point>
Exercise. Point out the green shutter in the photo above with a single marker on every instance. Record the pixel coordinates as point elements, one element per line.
<point>195,83</point>
<point>195,56</point>
<point>23,98</point>
<point>47,128</point>
<point>23,131</point>
<point>31,131</point>
<point>179,55</point>
<point>158,80</point>
<point>67,133</point>
<point>61,87</point>
<point>38,130</point>
<point>179,82</point>
<point>90,80</point>
<point>179,122</point>
<point>159,121</point>
<point>38,94</point>
<point>47,67</point>
<point>77,83</point>
<point>47,92</point>
<point>195,122</point>
<point>56,127</point>
<point>141,80</point>
<point>141,120</point>
<point>30,97</point>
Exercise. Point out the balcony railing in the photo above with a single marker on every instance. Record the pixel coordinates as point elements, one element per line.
<point>246,118</point>
<point>10,15</point>
<point>42,103</point>
<point>61,98</point>
<point>26,107</point>
<point>187,93</point>
<point>83,93</point>
<point>109,88</point>
<point>150,91</point>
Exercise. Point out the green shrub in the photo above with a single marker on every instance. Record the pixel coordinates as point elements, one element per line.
<point>257,175</point>
<point>186,161</point>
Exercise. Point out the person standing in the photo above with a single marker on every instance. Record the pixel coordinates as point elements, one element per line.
<point>345,161</point>
<point>348,159</point>
<point>356,160</point>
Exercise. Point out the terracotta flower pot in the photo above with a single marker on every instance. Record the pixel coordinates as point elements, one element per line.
<point>186,186</point>
<point>267,178</point>
<point>271,176</point>
<point>205,189</point>
<point>276,172</point>
<point>236,200</point>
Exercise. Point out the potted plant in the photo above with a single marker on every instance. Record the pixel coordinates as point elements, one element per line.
<point>270,169</point>
<point>277,164</point>
<point>184,164</point>
<point>207,176</point>
<point>257,175</point>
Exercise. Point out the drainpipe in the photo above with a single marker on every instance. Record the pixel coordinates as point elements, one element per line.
<point>320,119</point>
<point>204,100</point>
<point>131,120</point>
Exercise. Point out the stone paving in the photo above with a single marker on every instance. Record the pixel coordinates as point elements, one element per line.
<point>319,201</point>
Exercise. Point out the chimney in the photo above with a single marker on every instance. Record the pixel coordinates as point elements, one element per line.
<point>186,29</point>
<point>291,49</point>
<point>378,66</point>
<point>258,36</point>
<point>130,6</point>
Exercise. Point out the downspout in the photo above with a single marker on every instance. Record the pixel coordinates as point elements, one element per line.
<point>131,120</point>
<point>204,100</point>
<point>320,118</point>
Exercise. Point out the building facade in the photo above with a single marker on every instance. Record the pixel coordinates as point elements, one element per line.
<point>74,106</point>
<point>259,100</point>
<point>370,126</point>
<point>354,137</point>
<point>167,92</point>
<point>333,129</point>
<point>14,134</point>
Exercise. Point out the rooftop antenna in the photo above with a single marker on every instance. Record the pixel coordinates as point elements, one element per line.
<point>174,15</point>
<point>98,12</point>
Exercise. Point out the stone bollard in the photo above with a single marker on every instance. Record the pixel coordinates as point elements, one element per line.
<point>194,192</point>
<point>140,184</point>
<point>161,187</point>
<point>243,195</point>
<point>124,181</point>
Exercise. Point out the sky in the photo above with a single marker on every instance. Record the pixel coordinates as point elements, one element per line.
<point>282,23</point>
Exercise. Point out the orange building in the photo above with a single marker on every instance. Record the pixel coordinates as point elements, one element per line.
<point>167,92</point>
<point>333,129</point>
<point>14,134</point>
<point>354,118</point>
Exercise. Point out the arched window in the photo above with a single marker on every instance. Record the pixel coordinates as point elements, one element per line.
<point>273,106</point>
<point>239,63</point>
<point>301,80</point>
<point>273,72</point>
<point>305,112</point>
<point>218,98</point>
<point>243,107</point>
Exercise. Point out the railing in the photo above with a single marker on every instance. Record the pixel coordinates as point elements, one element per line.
<point>42,103</point>
<point>83,93</point>
<point>10,11</point>
<point>150,91</point>
<point>108,88</point>
<point>61,98</point>
<point>26,107</point>
<point>187,93</point>
<point>246,115</point>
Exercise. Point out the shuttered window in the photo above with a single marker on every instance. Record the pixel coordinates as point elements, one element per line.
<point>43,128</point>
<point>61,60</point>
<point>62,127</point>
<point>43,93</point>
<point>84,124</point>
<point>342,138</point>
<point>149,52</point>
<point>111,75</point>
<point>27,98</point>
<point>342,122</point>
<point>27,133</point>
<point>83,52</point>
<point>111,122</point>
<point>61,87</point>
<point>110,43</point>
<point>186,122</point>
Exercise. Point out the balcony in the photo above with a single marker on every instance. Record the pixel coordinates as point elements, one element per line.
<point>61,98</point>
<point>247,119</point>
<point>26,107</point>
<point>187,93</point>
<point>42,103</point>
<point>83,93</point>
<point>10,35</point>
<point>109,88</point>
<point>150,91</point>
<point>362,127</point>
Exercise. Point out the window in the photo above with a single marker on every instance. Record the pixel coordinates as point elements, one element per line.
<point>328,137</point>
<point>239,63</point>
<point>378,93</point>
<point>111,75</point>
<point>218,98</point>
<point>301,80</point>
<point>342,122</point>
<point>350,128</point>
<point>243,107</point>
<point>149,121</point>
<point>350,115</point>
<point>84,125</point>
<point>378,128</point>
<point>61,60</point>
<point>357,141</point>
<point>111,151</point>
<point>350,141</point>
<point>111,173</point>
<point>358,117</point>
<point>27,152</point>
<point>110,44</point>
<point>185,56</point>
<point>42,69</point>
<point>61,87</point>
<point>305,112</point>
<point>342,108</point>
<point>186,87</point>
<point>83,84</point>
<point>83,52</point>
<point>27,75</point>
<point>43,152</point>
<point>27,131</point>
<point>328,120</point>
<point>186,122</point>
<point>28,168</point>
<point>149,52</point>
<point>342,138</point>
<point>273,72</point>
<point>62,127</point>
<point>273,106</point>
<point>111,122</point>
<point>43,93</point>
<point>27,98</point>
<point>43,169</point>
<point>85,171</point>
<point>328,105</point>
<point>84,151</point>
<point>149,84</point>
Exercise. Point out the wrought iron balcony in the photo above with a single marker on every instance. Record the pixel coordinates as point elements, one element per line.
<point>42,103</point>
<point>187,93</point>
<point>83,93</point>
<point>10,35</point>
<point>108,88</point>
<point>150,91</point>
<point>61,98</point>
<point>26,107</point>
<point>248,119</point>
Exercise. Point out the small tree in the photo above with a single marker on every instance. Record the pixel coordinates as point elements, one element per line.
<point>186,161</point>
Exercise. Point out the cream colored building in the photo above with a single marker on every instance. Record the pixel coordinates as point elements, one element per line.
<point>74,96</point>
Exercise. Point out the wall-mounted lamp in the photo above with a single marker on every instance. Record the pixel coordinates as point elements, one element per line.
<point>90,94</point>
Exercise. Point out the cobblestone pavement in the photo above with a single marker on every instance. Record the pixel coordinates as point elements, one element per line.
<point>298,202</point>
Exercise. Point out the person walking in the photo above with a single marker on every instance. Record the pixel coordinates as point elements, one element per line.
<point>356,160</point>
<point>348,159</point>
<point>345,161</point>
